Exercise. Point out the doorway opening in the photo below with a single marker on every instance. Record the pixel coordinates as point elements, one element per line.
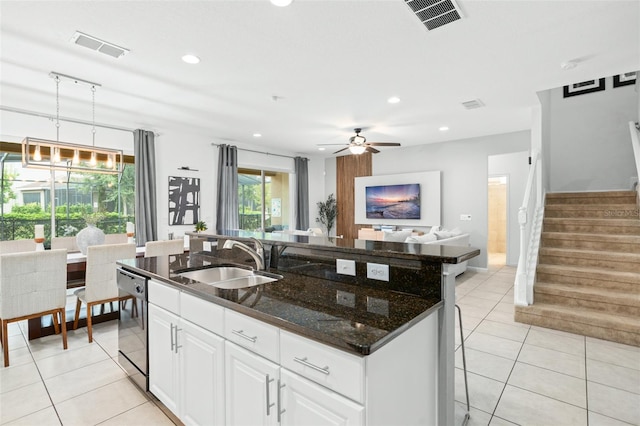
<point>497,227</point>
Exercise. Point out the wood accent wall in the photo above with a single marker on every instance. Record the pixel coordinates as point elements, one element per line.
<point>348,167</point>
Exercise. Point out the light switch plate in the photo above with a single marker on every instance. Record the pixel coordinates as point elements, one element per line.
<point>378,271</point>
<point>465,217</point>
<point>346,267</point>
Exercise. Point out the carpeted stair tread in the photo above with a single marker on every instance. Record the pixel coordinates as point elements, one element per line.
<point>612,208</point>
<point>594,294</point>
<point>590,254</point>
<point>633,223</point>
<point>587,317</point>
<point>583,198</point>
<point>589,272</point>
<point>583,236</point>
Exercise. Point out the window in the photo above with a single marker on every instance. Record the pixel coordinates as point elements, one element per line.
<point>263,200</point>
<point>26,198</point>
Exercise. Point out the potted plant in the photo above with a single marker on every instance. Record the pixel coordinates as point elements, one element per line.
<point>201,226</point>
<point>327,212</point>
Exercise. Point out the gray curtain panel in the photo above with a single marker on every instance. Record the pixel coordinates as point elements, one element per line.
<point>227,206</point>
<point>146,202</point>
<point>302,193</point>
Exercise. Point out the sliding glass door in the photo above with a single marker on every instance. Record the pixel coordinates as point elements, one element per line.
<point>263,200</point>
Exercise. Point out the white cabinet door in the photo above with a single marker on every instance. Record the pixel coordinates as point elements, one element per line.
<point>163,368</point>
<point>251,386</point>
<point>201,359</point>
<point>307,403</point>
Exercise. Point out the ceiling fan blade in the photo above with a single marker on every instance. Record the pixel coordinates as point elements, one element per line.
<point>340,150</point>
<point>372,150</point>
<point>332,144</point>
<point>382,144</point>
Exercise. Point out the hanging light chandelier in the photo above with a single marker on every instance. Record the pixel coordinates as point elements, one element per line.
<point>57,155</point>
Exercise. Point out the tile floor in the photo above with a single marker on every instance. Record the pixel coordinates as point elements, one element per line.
<point>527,375</point>
<point>517,374</point>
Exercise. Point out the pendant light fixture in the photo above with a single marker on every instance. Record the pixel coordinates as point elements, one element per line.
<point>57,155</point>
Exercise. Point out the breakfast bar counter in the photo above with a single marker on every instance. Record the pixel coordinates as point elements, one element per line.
<point>349,309</point>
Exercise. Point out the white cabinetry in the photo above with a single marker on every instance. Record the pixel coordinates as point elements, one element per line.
<point>163,369</point>
<point>306,403</point>
<point>251,388</point>
<point>257,374</point>
<point>186,362</point>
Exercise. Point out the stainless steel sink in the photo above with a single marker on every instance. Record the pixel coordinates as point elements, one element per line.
<point>212,275</point>
<point>229,277</point>
<point>244,282</point>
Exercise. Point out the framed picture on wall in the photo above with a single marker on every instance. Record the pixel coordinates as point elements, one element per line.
<point>184,200</point>
<point>624,79</point>
<point>588,86</point>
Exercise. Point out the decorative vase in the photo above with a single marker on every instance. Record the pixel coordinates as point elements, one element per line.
<point>89,236</point>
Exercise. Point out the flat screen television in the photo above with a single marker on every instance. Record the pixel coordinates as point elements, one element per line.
<point>393,201</point>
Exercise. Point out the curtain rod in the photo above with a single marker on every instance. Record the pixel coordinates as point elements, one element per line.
<point>259,152</point>
<point>68,119</point>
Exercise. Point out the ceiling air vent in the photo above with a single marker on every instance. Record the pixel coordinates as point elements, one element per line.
<point>476,103</point>
<point>435,13</point>
<point>95,43</point>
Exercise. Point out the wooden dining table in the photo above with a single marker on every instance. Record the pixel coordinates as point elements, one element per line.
<point>76,270</point>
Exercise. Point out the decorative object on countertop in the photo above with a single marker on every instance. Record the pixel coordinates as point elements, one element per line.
<point>39,237</point>
<point>91,235</point>
<point>327,212</point>
<point>201,226</point>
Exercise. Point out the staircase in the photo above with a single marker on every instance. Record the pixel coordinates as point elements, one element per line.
<point>588,273</point>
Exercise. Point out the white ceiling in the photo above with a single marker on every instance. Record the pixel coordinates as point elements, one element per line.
<point>332,65</point>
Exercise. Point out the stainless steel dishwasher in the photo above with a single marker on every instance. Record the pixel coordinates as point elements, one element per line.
<point>132,327</point>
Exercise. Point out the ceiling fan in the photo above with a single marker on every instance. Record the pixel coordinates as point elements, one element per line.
<point>358,144</point>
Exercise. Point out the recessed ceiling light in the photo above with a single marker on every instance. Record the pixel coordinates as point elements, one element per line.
<point>257,135</point>
<point>281,3</point>
<point>191,59</point>
<point>569,65</point>
<point>393,100</point>
<point>443,128</point>
<point>321,149</point>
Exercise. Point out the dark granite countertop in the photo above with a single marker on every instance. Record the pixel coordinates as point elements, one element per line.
<point>433,252</point>
<point>304,304</point>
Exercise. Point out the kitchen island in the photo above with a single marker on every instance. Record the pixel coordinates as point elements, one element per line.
<point>369,351</point>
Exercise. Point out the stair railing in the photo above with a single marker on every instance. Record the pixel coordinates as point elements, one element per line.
<point>634,128</point>
<point>530,220</point>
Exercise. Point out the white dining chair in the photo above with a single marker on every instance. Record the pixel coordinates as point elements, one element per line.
<point>17,246</point>
<point>100,280</point>
<point>68,243</point>
<point>163,248</point>
<point>115,238</point>
<point>32,285</point>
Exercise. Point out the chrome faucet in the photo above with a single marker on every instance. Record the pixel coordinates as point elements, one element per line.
<point>257,254</point>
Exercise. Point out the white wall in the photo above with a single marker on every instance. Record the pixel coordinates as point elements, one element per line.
<point>173,150</point>
<point>513,166</point>
<point>590,147</point>
<point>464,167</point>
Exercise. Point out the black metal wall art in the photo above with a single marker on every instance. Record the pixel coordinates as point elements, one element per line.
<point>184,200</point>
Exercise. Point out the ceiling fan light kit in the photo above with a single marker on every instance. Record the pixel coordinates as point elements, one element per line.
<point>358,144</point>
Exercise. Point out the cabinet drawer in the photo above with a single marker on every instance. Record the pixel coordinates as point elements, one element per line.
<point>335,369</point>
<point>252,334</point>
<point>164,296</point>
<point>206,314</point>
